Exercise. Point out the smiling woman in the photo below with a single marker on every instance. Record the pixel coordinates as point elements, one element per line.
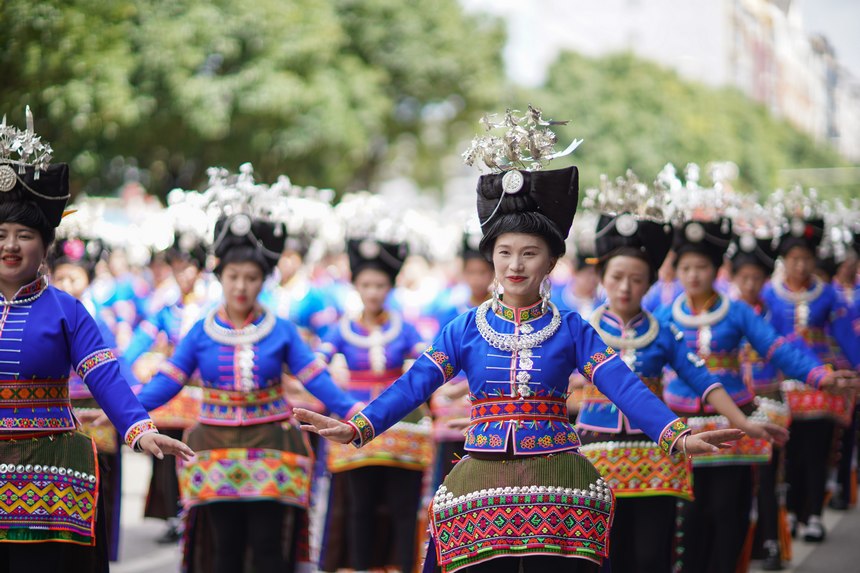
<point>45,458</point>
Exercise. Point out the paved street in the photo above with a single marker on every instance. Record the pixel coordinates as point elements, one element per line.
<point>140,554</point>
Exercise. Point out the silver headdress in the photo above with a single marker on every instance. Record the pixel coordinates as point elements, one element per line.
<point>20,149</point>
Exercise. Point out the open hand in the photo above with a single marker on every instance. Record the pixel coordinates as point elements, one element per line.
<point>766,431</point>
<point>840,379</point>
<point>158,444</point>
<point>709,442</point>
<point>328,428</point>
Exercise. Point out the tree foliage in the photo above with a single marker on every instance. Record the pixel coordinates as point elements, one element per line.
<point>312,88</point>
<point>633,113</point>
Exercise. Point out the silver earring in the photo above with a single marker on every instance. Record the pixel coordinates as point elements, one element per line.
<point>496,294</point>
<point>545,292</point>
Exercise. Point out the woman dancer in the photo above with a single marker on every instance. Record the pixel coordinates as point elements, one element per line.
<point>251,478</point>
<point>633,238</point>
<point>45,459</point>
<point>523,496</point>
<point>378,345</point>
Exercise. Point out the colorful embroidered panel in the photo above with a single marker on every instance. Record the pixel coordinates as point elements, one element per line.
<point>442,361</point>
<point>50,494</point>
<point>35,393</point>
<point>637,469</point>
<point>181,412</point>
<point>671,433</point>
<point>364,429</point>
<point>246,473</point>
<point>807,403</point>
<point>137,430</point>
<point>518,522</point>
<point>236,408</point>
<point>93,361</point>
<point>404,445</point>
<point>596,360</point>
<point>744,451</point>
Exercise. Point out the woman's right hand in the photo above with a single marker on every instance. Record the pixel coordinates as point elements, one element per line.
<point>709,442</point>
<point>328,428</point>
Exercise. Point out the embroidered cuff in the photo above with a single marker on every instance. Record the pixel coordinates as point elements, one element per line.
<point>310,371</point>
<point>816,374</point>
<point>173,372</point>
<point>138,429</point>
<point>671,433</point>
<point>93,361</point>
<point>364,431</point>
<point>442,362</point>
<point>589,369</point>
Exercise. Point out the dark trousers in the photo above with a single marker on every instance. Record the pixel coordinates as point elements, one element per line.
<point>806,457</point>
<point>714,526</point>
<point>255,524</point>
<point>767,502</point>
<point>536,564</point>
<point>640,540</point>
<point>400,491</point>
<point>846,455</point>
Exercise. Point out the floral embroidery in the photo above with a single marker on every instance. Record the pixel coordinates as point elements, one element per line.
<point>671,433</point>
<point>363,427</point>
<point>520,314</point>
<point>310,371</point>
<point>527,443</point>
<point>442,361</point>
<point>34,423</point>
<point>173,372</point>
<point>495,441</point>
<point>596,360</point>
<point>545,441</point>
<point>481,439</point>
<point>137,430</point>
<point>93,361</point>
<point>560,438</point>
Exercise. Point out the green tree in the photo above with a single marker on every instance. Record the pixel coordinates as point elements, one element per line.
<point>317,89</point>
<point>636,114</point>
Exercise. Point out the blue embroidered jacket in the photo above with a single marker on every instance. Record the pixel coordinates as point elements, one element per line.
<point>722,354</point>
<point>827,317</point>
<point>40,343</point>
<point>370,375</point>
<point>242,381</point>
<point>599,414</point>
<point>518,398</point>
<point>301,303</point>
<point>761,375</point>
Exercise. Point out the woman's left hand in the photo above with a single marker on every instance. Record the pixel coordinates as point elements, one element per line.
<point>708,442</point>
<point>158,444</point>
<point>328,428</point>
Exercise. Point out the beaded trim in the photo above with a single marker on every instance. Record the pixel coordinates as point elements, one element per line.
<point>699,320</point>
<point>444,499</point>
<point>53,470</point>
<point>137,430</point>
<point>247,335</point>
<point>798,297</point>
<point>620,342</point>
<point>515,342</point>
<point>93,361</point>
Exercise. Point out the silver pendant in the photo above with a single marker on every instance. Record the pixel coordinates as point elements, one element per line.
<point>704,341</point>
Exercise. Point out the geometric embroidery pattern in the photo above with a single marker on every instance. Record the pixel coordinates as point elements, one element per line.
<point>137,430</point>
<point>491,524</point>
<point>404,445</point>
<point>364,429</point>
<point>744,451</point>
<point>442,361</point>
<point>636,469</point>
<point>246,473</point>
<point>806,403</point>
<point>93,361</point>
<point>36,393</point>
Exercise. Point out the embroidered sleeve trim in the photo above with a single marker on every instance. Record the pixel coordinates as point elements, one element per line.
<point>311,371</point>
<point>173,372</point>
<point>773,347</point>
<point>596,360</point>
<point>138,429</point>
<point>93,361</point>
<point>363,428</point>
<point>816,374</point>
<point>671,433</point>
<point>442,362</point>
